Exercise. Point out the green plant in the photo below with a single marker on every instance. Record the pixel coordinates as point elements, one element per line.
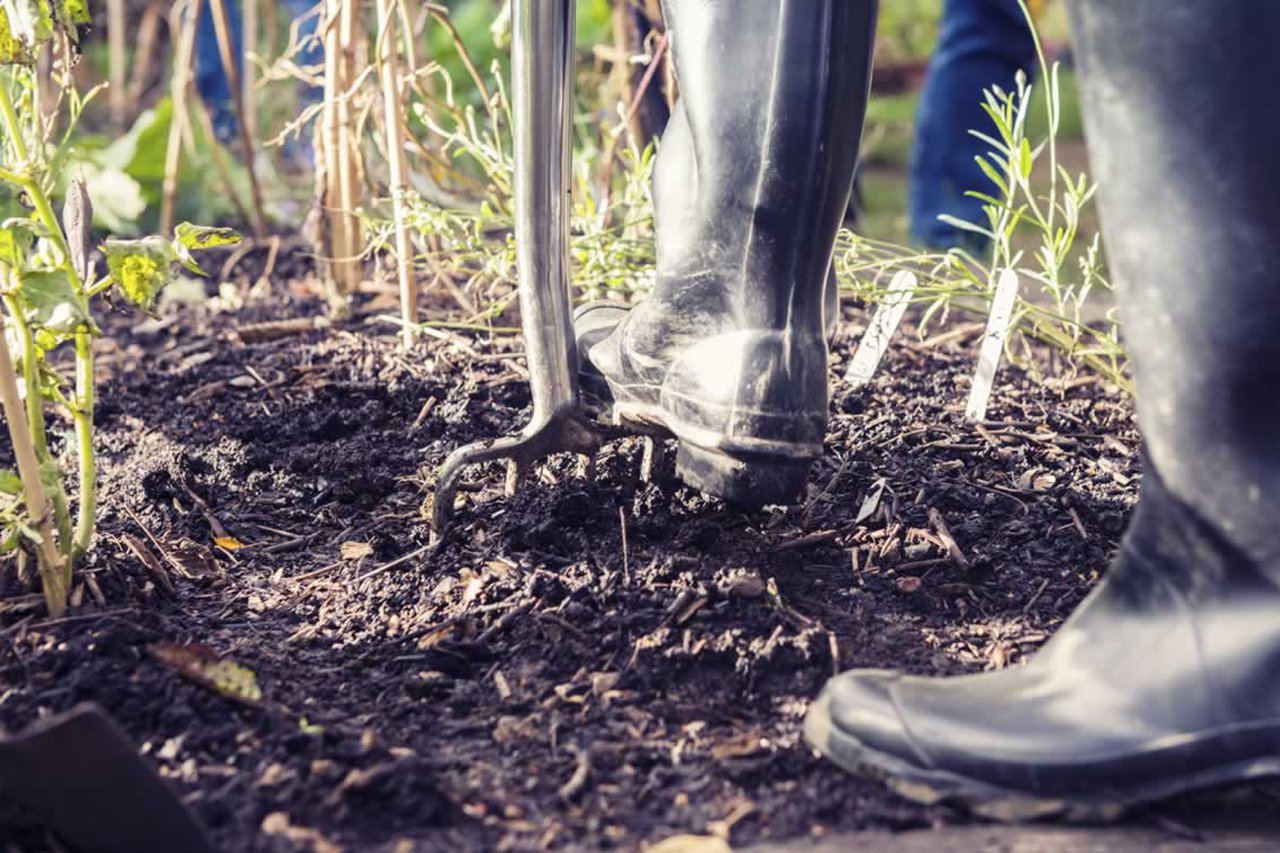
<point>1033,227</point>
<point>47,283</point>
<point>460,211</point>
<point>460,214</point>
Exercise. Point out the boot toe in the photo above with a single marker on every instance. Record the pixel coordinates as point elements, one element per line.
<point>858,721</point>
<point>593,324</point>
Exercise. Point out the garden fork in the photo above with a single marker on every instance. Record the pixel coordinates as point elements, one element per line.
<point>542,67</point>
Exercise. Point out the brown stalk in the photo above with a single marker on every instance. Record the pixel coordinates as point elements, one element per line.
<point>248,91</point>
<point>179,88</point>
<point>393,116</point>
<point>117,61</point>
<point>143,59</point>
<point>222,26</point>
<point>349,143</point>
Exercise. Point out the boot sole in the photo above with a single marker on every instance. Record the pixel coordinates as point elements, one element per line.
<point>932,787</point>
<point>750,473</point>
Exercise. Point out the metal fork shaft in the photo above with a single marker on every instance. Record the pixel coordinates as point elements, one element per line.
<point>542,68</point>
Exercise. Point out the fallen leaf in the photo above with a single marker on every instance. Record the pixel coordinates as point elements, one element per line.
<point>277,824</point>
<point>691,844</point>
<point>433,639</point>
<point>908,584</point>
<point>871,502</point>
<point>745,585</point>
<point>603,682</point>
<point>355,551</point>
<point>205,667</point>
<point>228,543</point>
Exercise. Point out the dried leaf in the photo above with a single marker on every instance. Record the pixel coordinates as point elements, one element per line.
<point>355,551</point>
<point>692,844</point>
<point>433,639</point>
<point>205,667</point>
<point>908,584</point>
<point>871,502</point>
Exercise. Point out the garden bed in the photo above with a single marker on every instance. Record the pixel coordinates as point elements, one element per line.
<point>593,663</point>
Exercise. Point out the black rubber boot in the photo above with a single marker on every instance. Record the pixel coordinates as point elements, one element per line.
<point>1167,678</point>
<point>729,352</point>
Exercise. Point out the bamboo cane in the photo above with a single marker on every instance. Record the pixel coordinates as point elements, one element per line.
<point>348,143</point>
<point>54,571</point>
<point>179,88</point>
<point>333,236</point>
<point>144,55</point>
<point>222,27</point>
<point>117,61</point>
<point>392,104</point>
<point>221,163</point>
<point>248,89</point>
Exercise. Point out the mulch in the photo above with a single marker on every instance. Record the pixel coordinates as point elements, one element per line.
<point>597,662</point>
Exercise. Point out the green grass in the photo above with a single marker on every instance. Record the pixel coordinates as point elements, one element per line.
<point>886,153</point>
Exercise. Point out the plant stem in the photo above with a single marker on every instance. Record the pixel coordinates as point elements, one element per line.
<point>54,570</point>
<point>35,419</point>
<point>82,414</point>
<point>83,402</point>
<point>11,124</point>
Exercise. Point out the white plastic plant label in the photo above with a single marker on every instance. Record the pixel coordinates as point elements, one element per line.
<point>992,346</point>
<point>883,324</point>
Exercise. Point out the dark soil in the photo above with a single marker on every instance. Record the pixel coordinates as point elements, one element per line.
<point>592,663</point>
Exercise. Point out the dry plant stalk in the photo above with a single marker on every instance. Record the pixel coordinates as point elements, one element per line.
<point>222,27</point>
<point>117,61</point>
<point>248,88</point>
<point>338,179</point>
<point>349,143</point>
<point>55,573</point>
<point>392,103</point>
<point>143,59</point>
<point>179,89</point>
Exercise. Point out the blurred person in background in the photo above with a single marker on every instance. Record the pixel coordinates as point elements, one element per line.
<point>981,44</point>
<point>212,83</point>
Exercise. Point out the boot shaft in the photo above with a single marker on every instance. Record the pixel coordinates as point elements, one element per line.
<point>1182,119</point>
<point>757,167</point>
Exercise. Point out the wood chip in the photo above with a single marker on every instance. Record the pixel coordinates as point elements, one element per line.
<point>944,533</point>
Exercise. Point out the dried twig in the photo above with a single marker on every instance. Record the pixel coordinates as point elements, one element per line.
<point>944,533</point>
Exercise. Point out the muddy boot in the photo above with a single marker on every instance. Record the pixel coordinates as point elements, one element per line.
<point>1167,678</point>
<point>729,352</point>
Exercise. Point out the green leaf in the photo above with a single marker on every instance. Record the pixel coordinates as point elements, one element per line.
<point>24,26</point>
<point>10,483</point>
<point>27,24</point>
<point>51,302</point>
<point>118,202</point>
<point>141,268</point>
<point>72,14</point>
<point>188,238</point>
<point>17,239</point>
<point>197,237</point>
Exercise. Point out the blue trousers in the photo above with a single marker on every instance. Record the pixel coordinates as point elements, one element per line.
<point>211,78</point>
<point>981,43</point>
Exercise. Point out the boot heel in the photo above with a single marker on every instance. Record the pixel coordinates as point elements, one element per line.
<point>746,481</point>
